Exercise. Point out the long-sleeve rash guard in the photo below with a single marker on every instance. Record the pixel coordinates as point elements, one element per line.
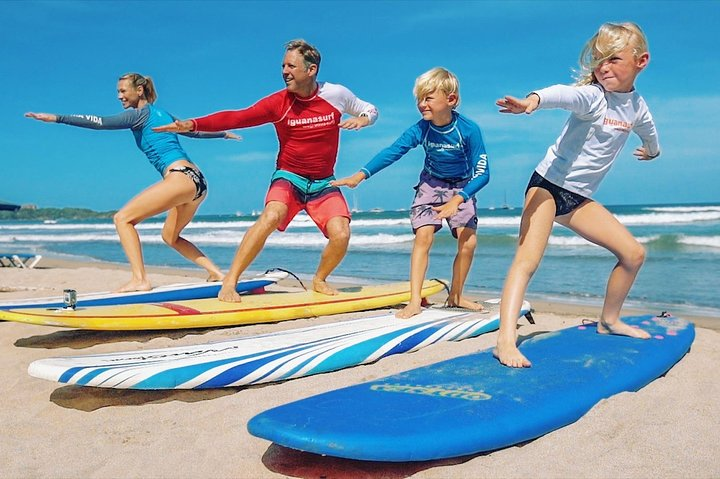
<point>162,149</point>
<point>594,135</point>
<point>307,128</point>
<point>454,152</point>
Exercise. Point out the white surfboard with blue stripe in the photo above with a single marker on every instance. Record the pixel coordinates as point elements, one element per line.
<point>170,292</point>
<point>269,357</point>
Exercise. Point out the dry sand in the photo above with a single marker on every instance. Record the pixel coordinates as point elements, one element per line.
<point>669,429</point>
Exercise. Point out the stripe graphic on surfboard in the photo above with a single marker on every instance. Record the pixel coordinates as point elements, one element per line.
<point>269,357</point>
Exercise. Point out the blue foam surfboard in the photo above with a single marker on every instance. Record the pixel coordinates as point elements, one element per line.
<point>473,404</point>
<point>171,292</point>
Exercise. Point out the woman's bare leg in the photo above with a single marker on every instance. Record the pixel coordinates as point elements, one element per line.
<point>173,190</point>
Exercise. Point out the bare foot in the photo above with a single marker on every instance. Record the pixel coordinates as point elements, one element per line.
<point>227,294</point>
<point>323,288</point>
<point>621,329</point>
<point>134,285</point>
<point>409,311</point>
<point>214,278</point>
<point>465,304</point>
<point>509,355</point>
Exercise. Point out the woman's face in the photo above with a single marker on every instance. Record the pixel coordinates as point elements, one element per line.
<point>129,95</point>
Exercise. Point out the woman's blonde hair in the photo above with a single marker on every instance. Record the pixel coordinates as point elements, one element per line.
<point>136,80</point>
<point>610,39</point>
<point>437,79</point>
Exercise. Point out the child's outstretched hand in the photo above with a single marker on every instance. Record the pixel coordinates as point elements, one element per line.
<point>510,104</point>
<point>349,181</point>
<point>642,154</point>
<point>448,209</point>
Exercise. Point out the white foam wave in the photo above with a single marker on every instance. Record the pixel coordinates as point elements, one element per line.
<point>707,241</point>
<point>682,209</point>
<point>580,241</point>
<point>669,218</point>
<point>70,238</point>
<point>498,222</point>
<point>59,227</point>
<point>111,226</point>
<point>217,238</point>
<point>317,239</point>
<point>377,223</point>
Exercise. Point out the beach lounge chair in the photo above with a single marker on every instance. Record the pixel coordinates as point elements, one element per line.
<point>20,260</point>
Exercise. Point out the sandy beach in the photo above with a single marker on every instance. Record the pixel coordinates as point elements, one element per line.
<point>669,429</point>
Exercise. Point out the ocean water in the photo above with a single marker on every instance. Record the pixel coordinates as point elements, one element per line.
<point>681,272</point>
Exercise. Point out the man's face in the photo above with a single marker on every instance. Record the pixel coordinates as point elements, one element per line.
<point>297,79</point>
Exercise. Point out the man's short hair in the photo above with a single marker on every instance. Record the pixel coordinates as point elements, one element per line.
<point>310,54</point>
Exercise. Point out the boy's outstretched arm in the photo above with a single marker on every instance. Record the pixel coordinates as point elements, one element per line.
<point>349,181</point>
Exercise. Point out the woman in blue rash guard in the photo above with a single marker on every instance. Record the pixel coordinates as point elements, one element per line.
<point>179,193</point>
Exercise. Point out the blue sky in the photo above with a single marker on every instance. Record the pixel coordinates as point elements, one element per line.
<point>65,57</point>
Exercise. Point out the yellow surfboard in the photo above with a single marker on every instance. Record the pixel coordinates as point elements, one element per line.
<point>204,313</point>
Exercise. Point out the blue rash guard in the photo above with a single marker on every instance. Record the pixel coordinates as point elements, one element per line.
<point>162,149</point>
<point>453,153</point>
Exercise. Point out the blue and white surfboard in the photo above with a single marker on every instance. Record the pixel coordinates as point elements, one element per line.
<point>270,357</point>
<point>171,292</point>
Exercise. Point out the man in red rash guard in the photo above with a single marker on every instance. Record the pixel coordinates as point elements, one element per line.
<point>307,117</point>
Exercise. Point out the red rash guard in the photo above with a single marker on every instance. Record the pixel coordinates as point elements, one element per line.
<point>307,128</point>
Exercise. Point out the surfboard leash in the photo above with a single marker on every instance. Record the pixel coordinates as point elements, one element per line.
<point>288,272</point>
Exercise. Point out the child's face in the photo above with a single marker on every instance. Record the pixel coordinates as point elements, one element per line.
<point>437,107</point>
<point>618,72</point>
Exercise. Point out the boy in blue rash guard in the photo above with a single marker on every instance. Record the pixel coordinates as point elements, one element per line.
<point>455,169</point>
<point>181,191</point>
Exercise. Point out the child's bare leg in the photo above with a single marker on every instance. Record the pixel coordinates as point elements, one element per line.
<point>418,268</point>
<point>596,224</point>
<point>535,228</point>
<point>467,241</point>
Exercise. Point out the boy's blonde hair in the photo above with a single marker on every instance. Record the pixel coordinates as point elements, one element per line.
<point>610,39</point>
<point>438,79</point>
